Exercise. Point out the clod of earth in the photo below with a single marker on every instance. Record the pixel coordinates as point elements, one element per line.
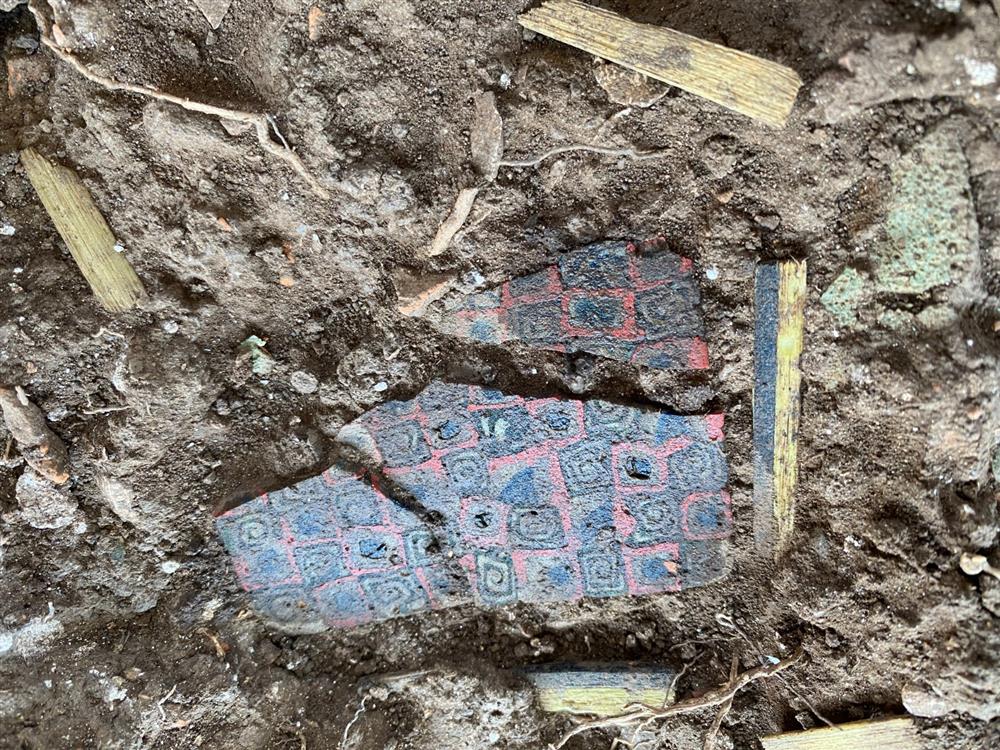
<point>44,504</point>
<point>629,87</point>
<point>930,222</point>
<point>252,349</point>
<point>505,499</point>
<point>41,447</point>
<point>263,124</point>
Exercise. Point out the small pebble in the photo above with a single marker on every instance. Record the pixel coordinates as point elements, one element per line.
<point>952,6</point>
<point>304,382</point>
<point>170,567</point>
<point>6,230</point>
<point>768,221</point>
<point>26,42</point>
<point>170,326</point>
<point>380,386</point>
<point>712,273</point>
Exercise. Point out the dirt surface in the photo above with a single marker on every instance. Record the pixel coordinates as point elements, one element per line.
<point>125,628</point>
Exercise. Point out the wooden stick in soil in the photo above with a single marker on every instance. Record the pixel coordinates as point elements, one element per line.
<point>896,733</point>
<point>85,232</point>
<point>758,88</point>
<point>714,697</point>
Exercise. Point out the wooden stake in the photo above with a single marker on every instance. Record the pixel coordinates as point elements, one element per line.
<point>780,307</point>
<point>758,88</point>
<point>85,232</point>
<point>884,734</point>
<point>787,401</point>
<point>600,689</point>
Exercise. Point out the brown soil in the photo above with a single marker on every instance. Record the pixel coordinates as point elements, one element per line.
<point>107,624</point>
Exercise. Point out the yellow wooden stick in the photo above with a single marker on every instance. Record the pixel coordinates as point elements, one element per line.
<point>787,401</point>
<point>750,85</point>
<point>598,701</point>
<point>601,689</point>
<point>85,232</point>
<point>885,734</point>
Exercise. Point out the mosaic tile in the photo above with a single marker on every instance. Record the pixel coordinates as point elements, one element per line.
<point>521,499</point>
<point>637,304</point>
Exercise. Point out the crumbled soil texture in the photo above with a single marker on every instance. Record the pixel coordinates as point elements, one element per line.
<point>125,628</point>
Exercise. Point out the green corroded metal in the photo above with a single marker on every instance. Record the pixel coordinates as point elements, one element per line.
<point>844,296</point>
<point>895,320</point>
<point>937,317</point>
<point>927,239</point>
<point>927,227</point>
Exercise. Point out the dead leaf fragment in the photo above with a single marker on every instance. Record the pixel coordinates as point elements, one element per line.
<point>417,291</point>
<point>487,136</point>
<point>24,74</point>
<point>235,127</point>
<point>214,10</point>
<point>315,19</point>
<point>449,228</point>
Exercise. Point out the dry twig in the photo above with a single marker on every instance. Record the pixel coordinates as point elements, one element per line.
<point>714,697</point>
<point>353,721</point>
<point>261,122</point>
<point>713,731</point>
<point>221,648</point>
<point>449,228</point>
<point>727,622</point>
